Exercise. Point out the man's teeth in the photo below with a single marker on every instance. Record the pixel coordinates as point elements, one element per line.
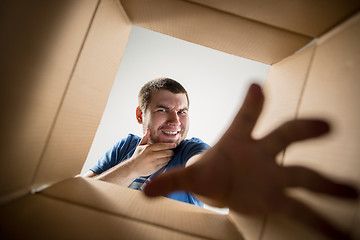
<point>170,133</point>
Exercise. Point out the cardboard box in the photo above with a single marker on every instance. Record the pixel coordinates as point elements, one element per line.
<point>58,62</point>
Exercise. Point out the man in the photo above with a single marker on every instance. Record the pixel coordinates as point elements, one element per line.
<point>238,172</point>
<point>163,113</point>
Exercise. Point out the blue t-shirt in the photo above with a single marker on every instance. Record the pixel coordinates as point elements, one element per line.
<point>125,149</point>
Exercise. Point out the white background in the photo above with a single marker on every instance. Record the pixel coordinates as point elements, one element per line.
<point>216,83</point>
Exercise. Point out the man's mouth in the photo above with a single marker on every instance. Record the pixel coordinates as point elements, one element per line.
<point>171,133</point>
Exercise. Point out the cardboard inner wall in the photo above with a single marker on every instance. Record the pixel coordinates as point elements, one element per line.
<point>320,81</point>
<point>38,57</point>
<point>56,97</point>
<point>104,210</point>
<point>86,95</point>
<point>56,220</point>
<point>283,89</point>
<point>215,29</point>
<point>307,17</point>
<point>55,102</point>
<point>134,205</point>
<point>332,91</point>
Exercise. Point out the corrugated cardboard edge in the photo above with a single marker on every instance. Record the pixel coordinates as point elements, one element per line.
<point>337,29</point>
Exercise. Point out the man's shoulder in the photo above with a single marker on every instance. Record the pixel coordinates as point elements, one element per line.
<point>193,140</point>
<point>128,141</point>
<point>132,137</point>
<point>187,149</point>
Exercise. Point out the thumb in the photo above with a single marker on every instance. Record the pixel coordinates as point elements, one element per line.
<point>179,179</point>
<point>145,138</point>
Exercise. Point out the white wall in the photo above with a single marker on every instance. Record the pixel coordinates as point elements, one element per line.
<point>216,83</point>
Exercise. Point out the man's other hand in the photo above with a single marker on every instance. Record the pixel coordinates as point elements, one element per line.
<point>148,158</point>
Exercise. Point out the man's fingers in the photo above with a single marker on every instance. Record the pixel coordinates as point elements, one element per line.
<point>247,116</point>
<point>292,131</point>
<point>145,138</point>
<point>297,176</point>
<point>179,179</point>
<point>298,211</point>
<point>167,153</point>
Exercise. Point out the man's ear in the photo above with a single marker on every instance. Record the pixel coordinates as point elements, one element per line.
<point>139,115</point>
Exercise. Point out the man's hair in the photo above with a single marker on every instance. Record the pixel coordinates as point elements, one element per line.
<point>153,86</point>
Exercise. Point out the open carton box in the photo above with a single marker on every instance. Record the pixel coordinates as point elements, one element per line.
<point>59,60</point>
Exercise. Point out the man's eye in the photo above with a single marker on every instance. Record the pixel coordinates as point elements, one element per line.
<point>182,112</point>
<point>161,110</point>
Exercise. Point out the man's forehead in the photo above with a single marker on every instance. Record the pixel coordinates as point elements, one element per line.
<point>167,98</point>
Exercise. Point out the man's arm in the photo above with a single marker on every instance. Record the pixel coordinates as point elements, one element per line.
<point>121,174</point>
<point>194,159</point>
<point>146,160</point>
<point>241,173</point>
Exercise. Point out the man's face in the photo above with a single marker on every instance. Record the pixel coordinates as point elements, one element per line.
<point>166,117</point>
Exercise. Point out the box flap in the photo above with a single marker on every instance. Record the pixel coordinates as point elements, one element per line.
<point>39,47</point>
<point>40,217</point>
<point>59,93</point>
<point>332,92</point>
<point>215,29</point>
<point>133,204</point>
<point>307,17</point>
<point>86,95</point>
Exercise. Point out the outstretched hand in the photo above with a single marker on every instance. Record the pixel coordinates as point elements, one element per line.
<point>241,173</point>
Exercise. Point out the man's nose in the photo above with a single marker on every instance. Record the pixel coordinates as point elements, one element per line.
<point>173,118</point>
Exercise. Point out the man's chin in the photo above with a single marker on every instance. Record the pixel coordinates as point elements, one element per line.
<point>176,141</point>
<point>172,141</point>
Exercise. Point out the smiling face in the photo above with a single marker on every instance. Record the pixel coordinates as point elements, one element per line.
<point>166,117</point>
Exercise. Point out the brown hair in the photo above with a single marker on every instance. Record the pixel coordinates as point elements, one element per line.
<point>153,86</point>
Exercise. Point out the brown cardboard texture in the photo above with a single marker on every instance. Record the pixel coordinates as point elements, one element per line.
<point>58,63</point>
<point>96,205</point>
<point>35,74</point>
